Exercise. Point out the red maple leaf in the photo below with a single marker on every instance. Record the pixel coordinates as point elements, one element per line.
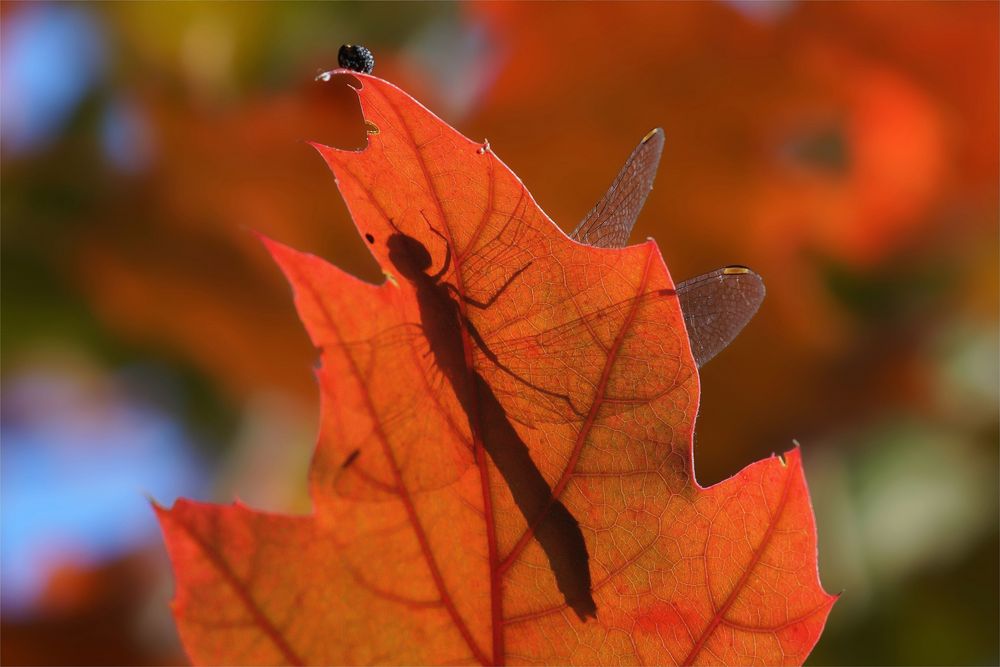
<point>504,470</point>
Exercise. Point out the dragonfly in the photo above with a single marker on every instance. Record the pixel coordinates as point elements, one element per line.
<point>545,377</point>
<point>716,305</point>
<point>543,367</point>
<point>444,325</point>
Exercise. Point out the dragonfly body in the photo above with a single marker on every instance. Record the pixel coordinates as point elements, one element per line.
<point>716,306</point>
<point>440,315</point>
<point>443,323</point>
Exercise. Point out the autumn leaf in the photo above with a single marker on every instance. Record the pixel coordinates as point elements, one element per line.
<point>504,470</point>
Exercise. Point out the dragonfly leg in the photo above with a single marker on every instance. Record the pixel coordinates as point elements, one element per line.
<point>483,305</point>
<point>447,250</point>
<point>481,344</point>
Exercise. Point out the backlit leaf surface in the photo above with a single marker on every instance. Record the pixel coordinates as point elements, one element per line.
<point>504,467</point>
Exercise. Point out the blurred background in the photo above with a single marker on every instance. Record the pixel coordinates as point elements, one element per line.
<point>847,152</point>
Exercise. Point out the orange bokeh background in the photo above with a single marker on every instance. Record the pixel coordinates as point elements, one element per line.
<point>847,152</point>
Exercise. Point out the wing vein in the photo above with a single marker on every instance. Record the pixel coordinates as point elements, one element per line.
<point>588,423</point>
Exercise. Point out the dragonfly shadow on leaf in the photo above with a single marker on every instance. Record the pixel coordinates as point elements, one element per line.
<point>444,326</point>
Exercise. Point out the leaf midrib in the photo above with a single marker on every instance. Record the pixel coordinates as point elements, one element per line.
<point>403,492</point>
<point>496,599</point>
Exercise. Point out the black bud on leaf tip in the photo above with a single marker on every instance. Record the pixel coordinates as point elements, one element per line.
<point>356,58</point>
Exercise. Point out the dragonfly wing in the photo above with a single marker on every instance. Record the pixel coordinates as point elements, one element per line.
<point>609,224</point>
<point>551,375</point>
<point>716,306</point>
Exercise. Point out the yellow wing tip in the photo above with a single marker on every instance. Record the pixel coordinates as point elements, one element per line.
<point>735,270</point>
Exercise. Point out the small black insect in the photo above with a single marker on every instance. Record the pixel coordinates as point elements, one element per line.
<point>356,58</point>
<point>369,238</point>
<point>351,458</point>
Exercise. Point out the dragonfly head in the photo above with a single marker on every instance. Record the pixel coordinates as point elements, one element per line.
<point>410,257</point>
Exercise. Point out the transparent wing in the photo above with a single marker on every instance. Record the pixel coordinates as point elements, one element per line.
<point>609,224</point>
<point>398,345</point>
<point>716,306</point>
<point>552,375</point>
